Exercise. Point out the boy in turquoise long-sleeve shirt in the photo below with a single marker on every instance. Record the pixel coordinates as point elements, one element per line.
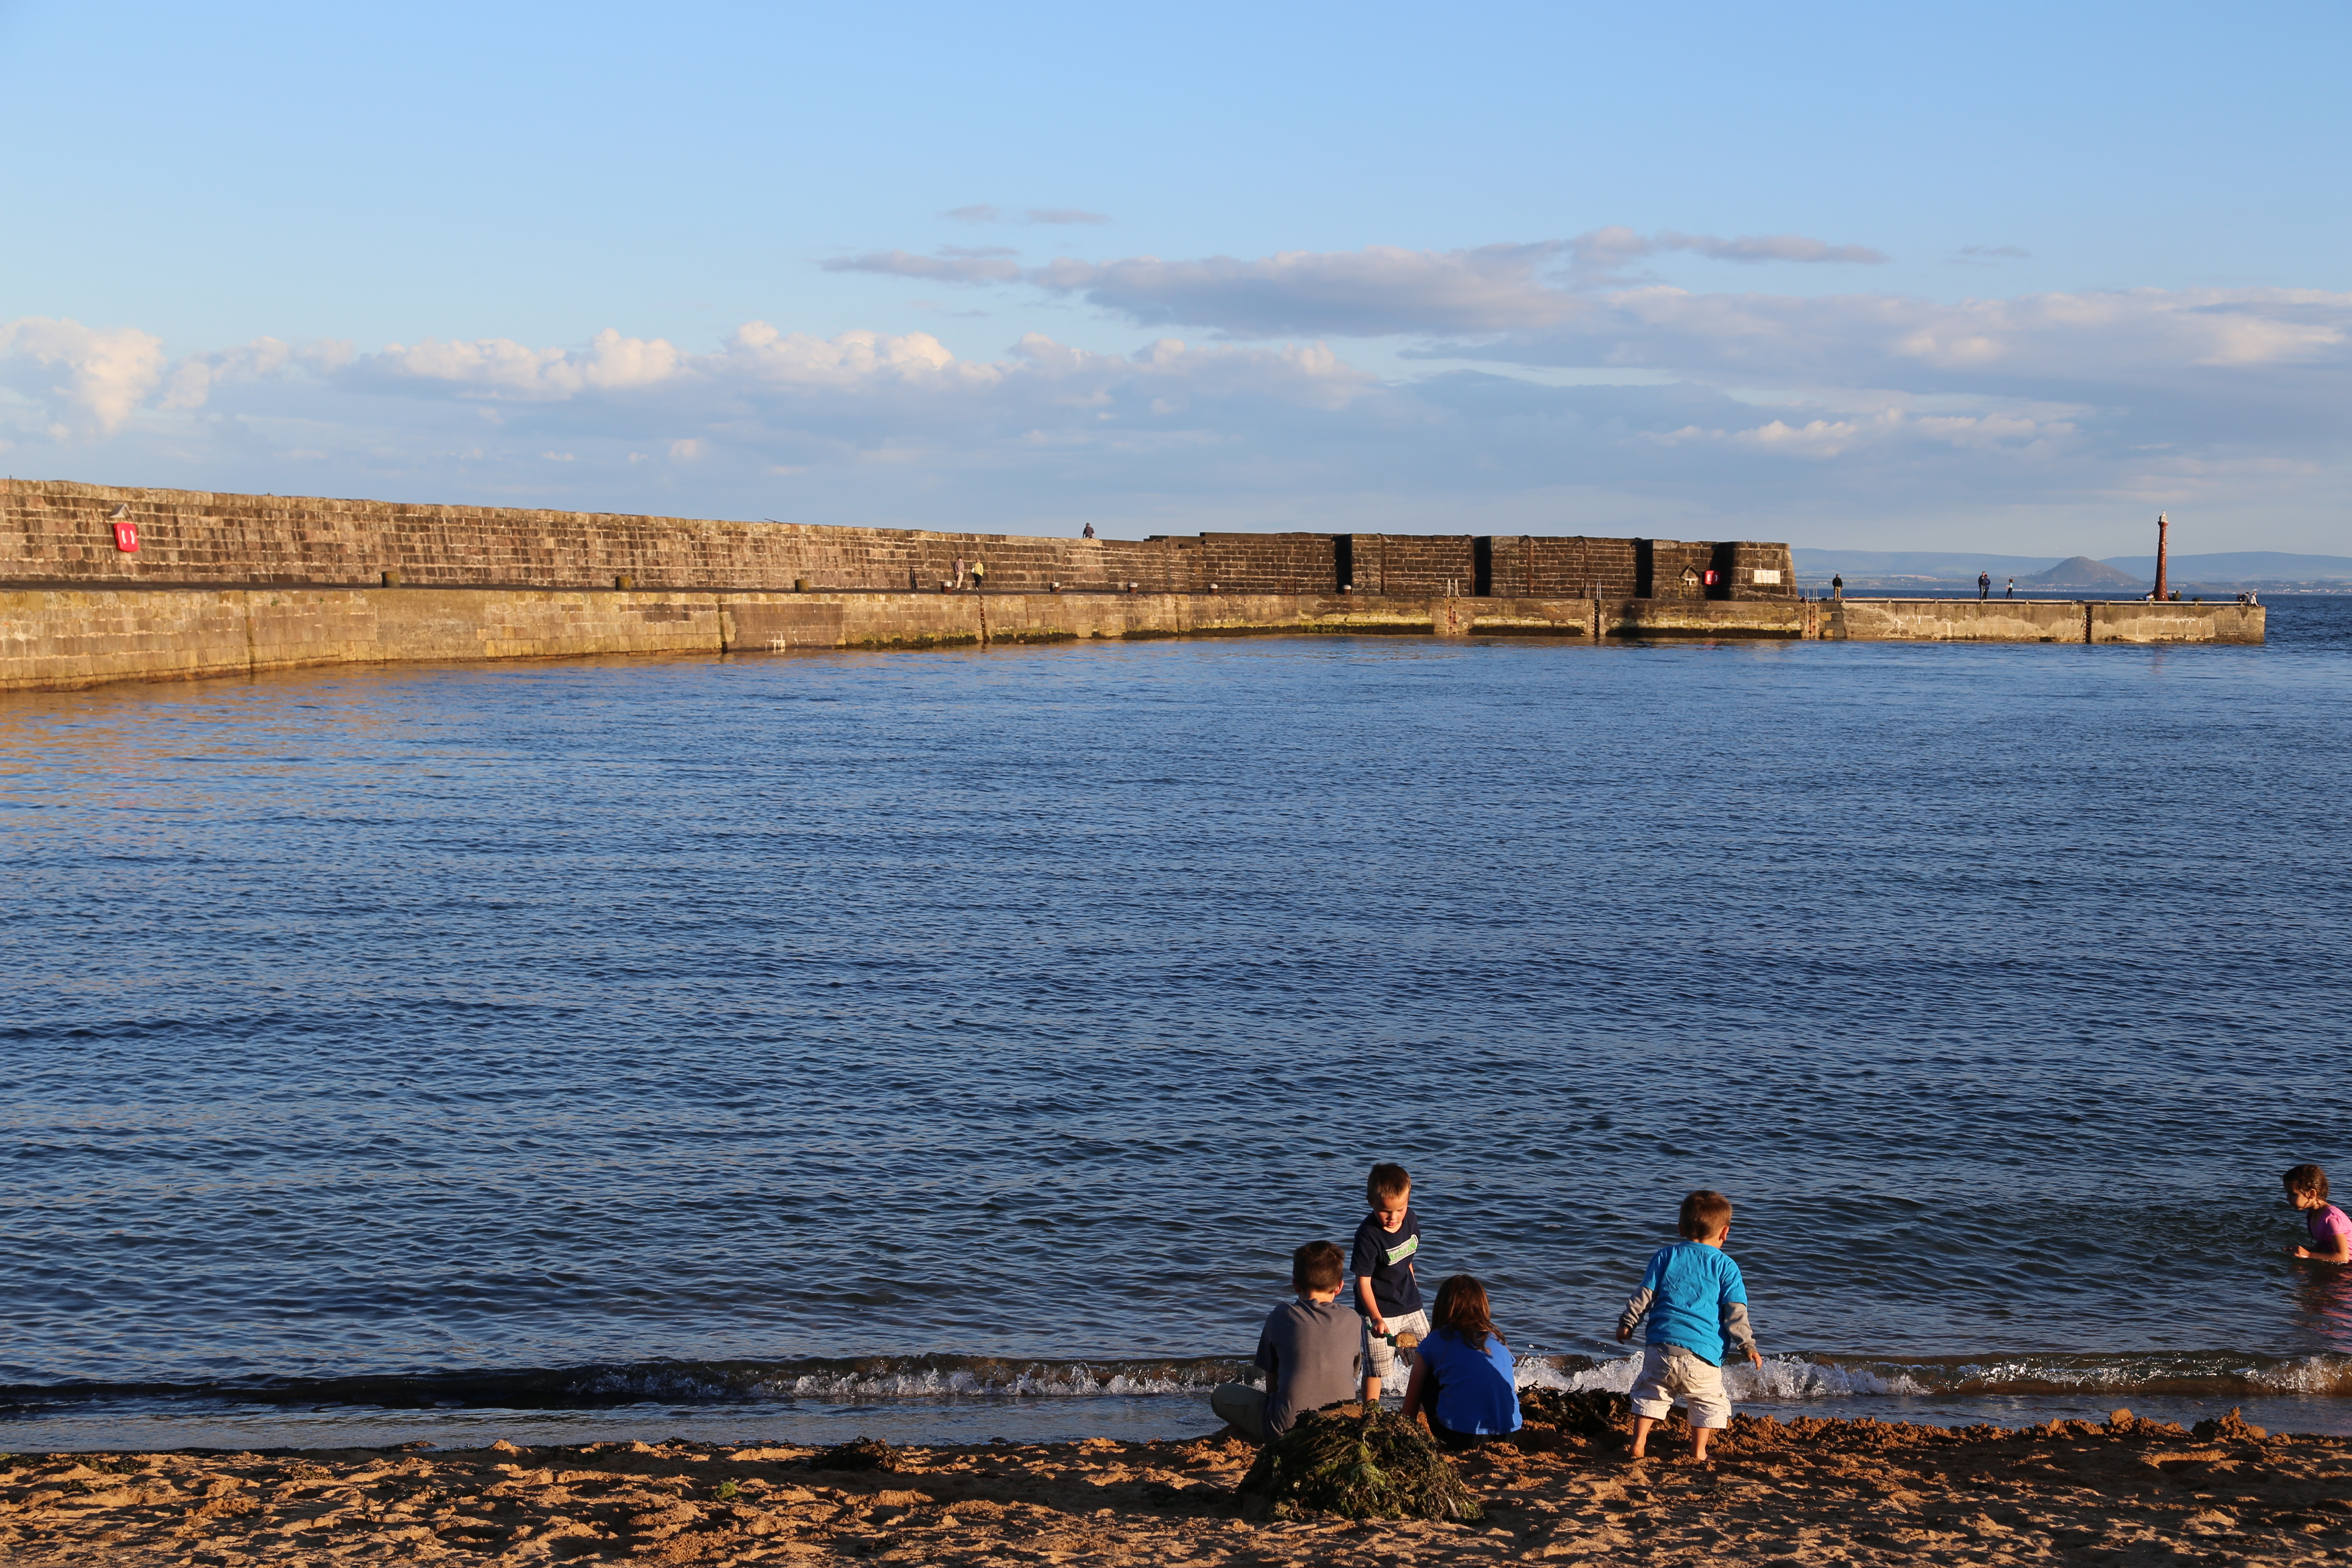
<point>1695,1299</point>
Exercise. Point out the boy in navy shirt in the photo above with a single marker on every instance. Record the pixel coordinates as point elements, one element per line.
<point>1387,1292</point>
<point>1695,1300</point>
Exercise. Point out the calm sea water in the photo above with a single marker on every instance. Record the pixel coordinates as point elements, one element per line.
<point>956,1045</point>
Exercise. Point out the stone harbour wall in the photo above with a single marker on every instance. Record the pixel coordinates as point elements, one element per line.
<point>2037,620</point>
<point>62,639</point>
<point>54,532</point>
<point>234,584</point>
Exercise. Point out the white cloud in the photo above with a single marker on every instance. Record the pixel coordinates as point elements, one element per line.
<point>500,367</point>
<point>986,213</point>
<point>1378,290</point>
<point>2010,433</point>
<point>1748,408</point>
<point>2126,343</point>
<point>963,267</point>
<point>1609,250</point>
<point>89,379</point>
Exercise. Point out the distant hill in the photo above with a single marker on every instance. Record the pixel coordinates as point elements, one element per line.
<point>2237,566</point>
<point>2081,572</point>
<point>1915,564</point>
<point>2219,568</point>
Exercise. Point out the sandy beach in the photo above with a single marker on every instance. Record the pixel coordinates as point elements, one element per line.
<point>1808,1491</point>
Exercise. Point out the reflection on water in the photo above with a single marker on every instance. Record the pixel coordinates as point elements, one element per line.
<point>2324,1299</point>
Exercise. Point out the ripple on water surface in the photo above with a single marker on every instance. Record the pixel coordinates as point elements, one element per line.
<point>1034,1005</point>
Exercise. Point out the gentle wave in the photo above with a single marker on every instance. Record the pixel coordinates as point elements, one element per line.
<point>926,1377</point>
<point>1810,1377</point>
<point>1781,1378</point>
<point>933,1378</point>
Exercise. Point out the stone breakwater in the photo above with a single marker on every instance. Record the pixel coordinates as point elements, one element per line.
<point>100,583</point>
<point>53,533</point>
<point>58,638</point>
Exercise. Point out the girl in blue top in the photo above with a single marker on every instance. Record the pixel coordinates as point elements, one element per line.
<point>1462,1377</point>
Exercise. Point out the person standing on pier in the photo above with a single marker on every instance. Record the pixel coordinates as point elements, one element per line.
<point>1837,586</point>
<point>1984,586</point>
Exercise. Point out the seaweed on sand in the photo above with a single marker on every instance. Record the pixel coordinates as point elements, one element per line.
<point>1359,1464</point>
<point>1588,1413</point>
<point>861,1454</point>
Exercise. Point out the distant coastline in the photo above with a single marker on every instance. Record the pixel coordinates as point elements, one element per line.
<point>1935,573</point>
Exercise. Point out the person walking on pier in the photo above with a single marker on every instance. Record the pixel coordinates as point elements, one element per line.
<point>1984,586</point>
<point>2012,589</point>
<point>961,569</point>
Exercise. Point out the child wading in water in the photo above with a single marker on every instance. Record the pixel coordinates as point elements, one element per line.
<point>1695,1299</point>
<point>1387,1292</point>
<point>2331,1233</point>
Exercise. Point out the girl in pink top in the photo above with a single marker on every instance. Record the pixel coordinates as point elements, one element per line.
<point>2331,1233</point>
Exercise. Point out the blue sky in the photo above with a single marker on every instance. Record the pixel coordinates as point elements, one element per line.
<point>2001,277</point>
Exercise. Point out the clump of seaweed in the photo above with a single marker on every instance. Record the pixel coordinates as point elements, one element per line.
<point>861,1454</point>
<point>1359,1464</point>
<point>1585,1412</point>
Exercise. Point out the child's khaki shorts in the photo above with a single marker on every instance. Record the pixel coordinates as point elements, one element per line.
<point>1670,1369</point>
<point>1382,1359</point>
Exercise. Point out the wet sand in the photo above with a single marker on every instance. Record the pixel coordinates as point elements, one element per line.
<point>1804,1492</point>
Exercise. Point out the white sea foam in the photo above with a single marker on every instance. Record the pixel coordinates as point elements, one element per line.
<point>913,1379</point>
<point>2186,1373</point>
<point>1779,1378</point>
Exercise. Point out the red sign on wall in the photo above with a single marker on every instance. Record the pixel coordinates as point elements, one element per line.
<point>126,537</point>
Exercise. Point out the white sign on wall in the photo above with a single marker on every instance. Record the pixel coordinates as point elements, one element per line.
<point>1768,574</point>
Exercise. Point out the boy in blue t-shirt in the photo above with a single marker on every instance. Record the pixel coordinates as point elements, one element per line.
<point>1695,1299</point>
<point>1387,1293</point>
